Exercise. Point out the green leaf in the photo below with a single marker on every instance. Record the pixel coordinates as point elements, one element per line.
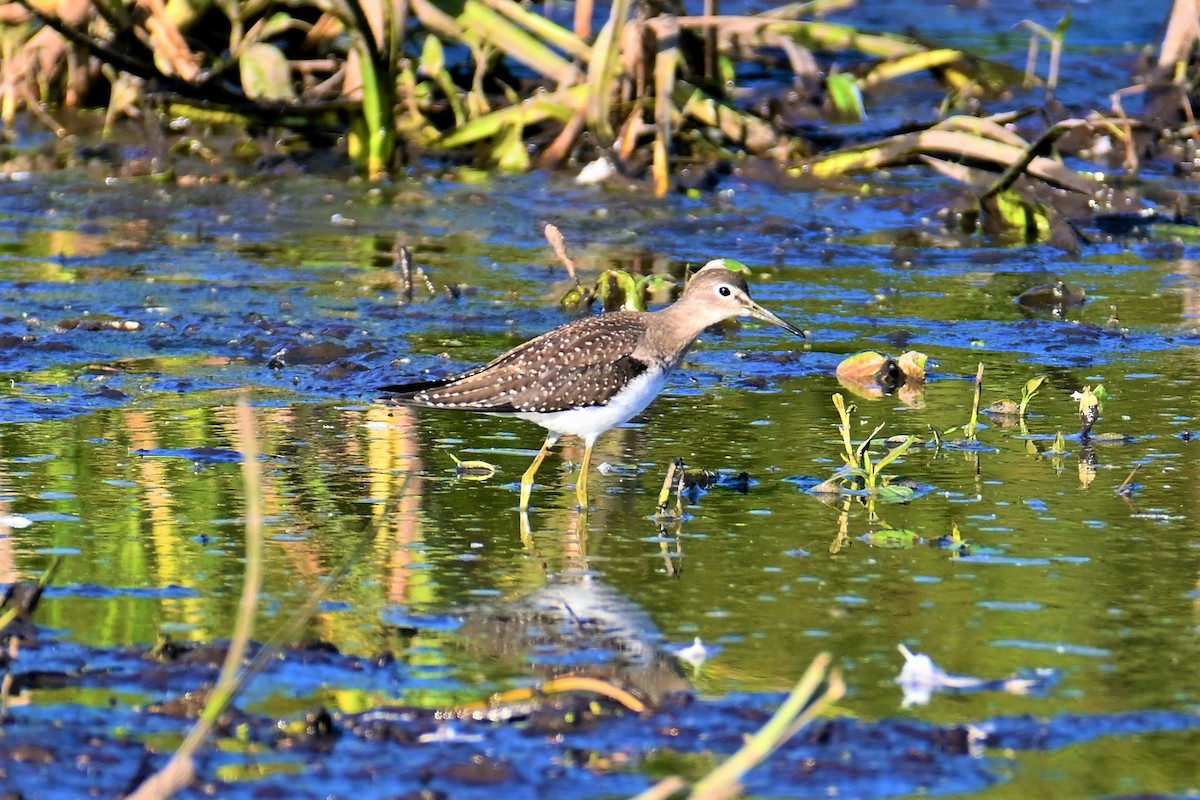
<point>1014,213</point>
<point>510,153</point>
<point>266,74</point>
<point>615,288</point>
<point>433,59</point>
<point>279,24</point>
<point>845,99</point>
<point>733,265</point>
<point>895,494</point>
<point>896,452</point>
<point>654,282</point>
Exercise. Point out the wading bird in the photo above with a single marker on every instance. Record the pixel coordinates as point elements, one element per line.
<point>593,373</point>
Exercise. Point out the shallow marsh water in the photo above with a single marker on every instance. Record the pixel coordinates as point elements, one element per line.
<point>118,448</point>
<point>117,453</point>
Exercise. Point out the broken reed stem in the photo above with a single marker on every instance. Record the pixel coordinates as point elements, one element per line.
<point>1124,487</point>
<point>973,425</point>
<point>664,789</point>
<point>180,771</point>
<point>664,494</point>
<point>801,707</point>
<point>17,609</point>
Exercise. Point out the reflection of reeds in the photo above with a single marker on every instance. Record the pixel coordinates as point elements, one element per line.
<point>180,770</point>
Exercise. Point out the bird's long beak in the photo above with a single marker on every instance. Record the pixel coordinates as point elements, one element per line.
<point>758,312</point>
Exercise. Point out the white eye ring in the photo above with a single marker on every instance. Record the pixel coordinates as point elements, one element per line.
<point>724,291</point>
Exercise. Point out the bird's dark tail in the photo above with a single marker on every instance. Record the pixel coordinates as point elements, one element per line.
<point>413,388</point>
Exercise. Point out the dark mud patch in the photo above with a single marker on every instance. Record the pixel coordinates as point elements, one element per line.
<point>92,722</point>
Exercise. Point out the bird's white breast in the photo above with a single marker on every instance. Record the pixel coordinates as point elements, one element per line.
<point>588,423</point>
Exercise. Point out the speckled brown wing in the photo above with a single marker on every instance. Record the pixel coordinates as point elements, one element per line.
<point>583,363</point>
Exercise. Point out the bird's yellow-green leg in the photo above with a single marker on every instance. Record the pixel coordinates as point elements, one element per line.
<point>581,484</point>
<point>527,478</point>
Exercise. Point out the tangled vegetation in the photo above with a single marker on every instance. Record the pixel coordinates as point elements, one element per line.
<point>646,89</point>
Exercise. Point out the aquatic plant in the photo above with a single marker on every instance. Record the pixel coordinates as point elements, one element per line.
<point>1091,404</point>
<point>859,471</point>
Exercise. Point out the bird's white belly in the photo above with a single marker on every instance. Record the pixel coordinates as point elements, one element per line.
<point>588,423</point>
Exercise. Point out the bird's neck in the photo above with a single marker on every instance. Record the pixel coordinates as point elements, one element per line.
<point>673,333</point>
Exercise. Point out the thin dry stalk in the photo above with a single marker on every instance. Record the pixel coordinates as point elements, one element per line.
<point>664,495</point>
<point>666,59</point>
<point>663,789</point>
<point>557,152</point>
<point>559,244</point>
<point>1019,166</point>
<point>1183,32</point>
<point>168,42</point>
<point>604,68</point>
<point>180,771</point>
<point>973,425</point>
<point>583,18</point>
<point>1131,157</point>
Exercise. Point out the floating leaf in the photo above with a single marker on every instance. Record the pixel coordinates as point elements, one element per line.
<point>863,367</point>
<point>1051,296</point>
<point>1113,438</point>
<point>654,282</point>
<point>872,375</point>
<point>617,289</point>
<point>900,539</point>
<point>573,300</point>
<point>912,364</point>
<point>1008,211</point>
<point>266,74</point>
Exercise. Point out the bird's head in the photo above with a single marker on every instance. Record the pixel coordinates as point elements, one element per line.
<point>719,291</point>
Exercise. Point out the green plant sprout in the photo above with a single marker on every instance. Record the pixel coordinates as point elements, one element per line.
<point>860,471</point>
<point>1027,392</point>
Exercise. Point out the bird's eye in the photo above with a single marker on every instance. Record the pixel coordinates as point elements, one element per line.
<point>724,291</point>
